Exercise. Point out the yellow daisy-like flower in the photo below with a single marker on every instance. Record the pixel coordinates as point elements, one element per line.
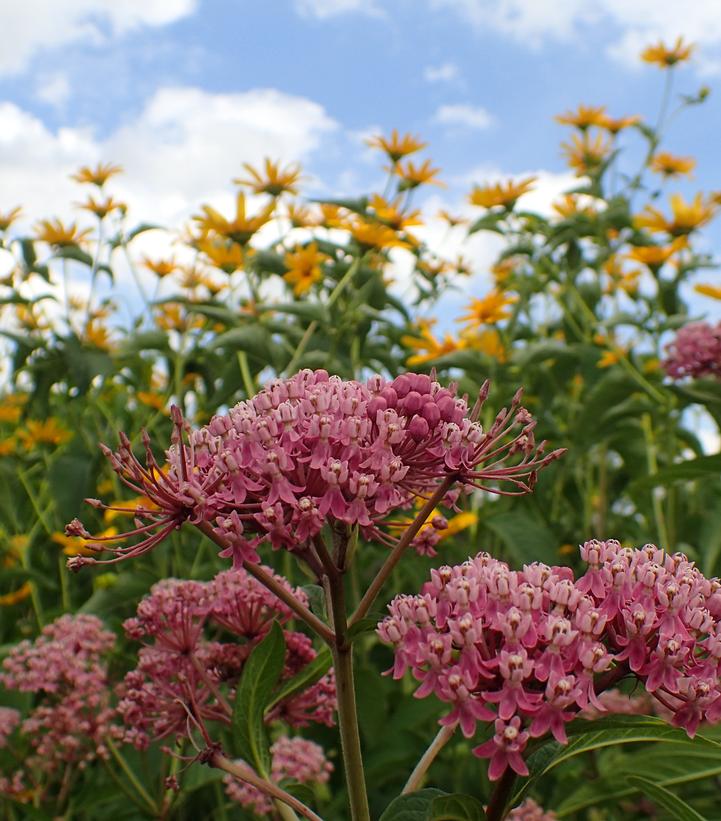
<point>584,117</point>
<point>570,206</point>
<point>240,228</point>
<point>76,545</point>
<point>174,317</point>
<point>654,256</point>
<point>300,216</point>
<point>432,268</point>
<point>271,179</point>
<point>610,357</point>
<point>452,220</point>
<point>8,446</point>
<point>16,596</point>
<point>9,413</point>
<point>304,267</point>
<point>7,218</point>
<point>160,267</point>
<point>228,256</point>
<point>488,310</point>
<point>668,165</point>
<point>427,347</point>
<point>459,522</point>
<point>96,176</point>
<point>504,194</point>
<point>101,208</point>
<point>43,432</point>
<point>390,214</point>
<point>152,399</point>
<point>396,147</point>
<point>56,233</point>
<point>687,216</point>
<point>614,125</point>
<point>487,341</point>
<point>332,216</point>
<point>586,154</point>
<point>375,235</point>
<point>714,291</point>
<point>97,335</point>
<point>413,175</point>
<point>667,56</point>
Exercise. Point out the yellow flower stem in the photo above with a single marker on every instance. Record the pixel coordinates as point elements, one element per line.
<point>652,463</point>
<point>132,778</point>
<point>248,382</point>
<point>311,329</point>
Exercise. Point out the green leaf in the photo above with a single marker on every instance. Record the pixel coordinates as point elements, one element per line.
<point>700,468</point>
<point>253,339</point>
<point>312,311</point>
<point>359,206</point>
<point>155,340</point>
<point>69,480</point>
<point>141,229</point>
<point>74,253</point>
<point>525,536</point>
<point>257,681</point>
<point>415,806</point>
<point>456,807</point>
<point>679,809</point>
<point>309,675</point>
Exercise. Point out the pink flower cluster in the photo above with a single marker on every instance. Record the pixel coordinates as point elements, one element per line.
<point>197,637</point>
<point>530,810</point>
<point>696,351</point>
<point>528,649</point>
<point>314,448</point>
<point>296,759</point>
<point>65,666</point>
<point>9,720</point>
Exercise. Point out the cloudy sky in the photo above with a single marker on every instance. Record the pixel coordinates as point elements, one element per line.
<point>181,92</point>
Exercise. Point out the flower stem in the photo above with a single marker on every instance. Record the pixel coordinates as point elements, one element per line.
<point>244,773</point>
<point>125,767</point>
<point>415,780</point>
<point>496,809</point>
<point>269,581</point>
<point>409,534</point>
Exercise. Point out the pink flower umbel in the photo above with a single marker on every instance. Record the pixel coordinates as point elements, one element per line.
<point>695,352</point>
<point>532,648</point>
<point>314,448</point>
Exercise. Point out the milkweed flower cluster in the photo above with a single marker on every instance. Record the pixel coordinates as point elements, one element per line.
<point>65,666</point>
<point>530,810</point>
<point>9,720</point>
<point>314,448</point>
<point>296,759</point>
<point>695,351</point>
<point>528,649</point>
<point>197,637</point>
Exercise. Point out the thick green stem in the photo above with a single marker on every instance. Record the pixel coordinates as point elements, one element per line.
<point>496,809</point>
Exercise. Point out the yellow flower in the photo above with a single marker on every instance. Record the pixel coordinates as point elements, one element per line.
<point>453,221</point>
<point>9,413</point>
<point>412,176</point>
<point>174,317</point>
<point>101,208</point>
<point>228,256</point>
<point>396,147</point>
<point>654,256</point>
<point>687,216</point>
<point>619,278</point>
<point>459,522</point>
<point>671,166</point>
<point>9,217</point>
<point>584,117</point>
<point>97,335</point>
<point>76,545</point>
<point>489,310</point>
<point>586,154</point>
<point>570,206</point>
<point>432,268</point>
<point>151,399</point>
<point>272,180</point>
<point>714,291</point>
<point>505,194</point>
<point>667,56</point>
<point>8,446</point>
<point>304,267</point>
<point>18,544</point>
<point>614,125</point>
<point>241,228</point>
<point>300,216</point>
<point>331,216</point>
<point>22,593</point>
<point>54,232</point>
<point>487,341</point>
<point>46,432</point>
<point>98,175</point>
<point>503,269</point>
<point>375,235</point>
<point>427,346</point>
<point>160,267</point>
<point>390,215</point>
<point>567,550</point>
<point>128,507</point>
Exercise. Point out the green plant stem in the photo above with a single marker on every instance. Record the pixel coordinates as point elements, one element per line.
<point>408,535</point>
<point>246,375</point>
<point>269,581</point>
<point>244,773</point>
<point>652,463</point>
<point>311,329</point>
<point>415,779</point>
<point>124,766</point>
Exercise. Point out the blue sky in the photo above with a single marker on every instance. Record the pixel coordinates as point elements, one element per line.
<point>181,92</point>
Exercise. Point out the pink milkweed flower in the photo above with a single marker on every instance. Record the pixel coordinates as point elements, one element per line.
<point>505,748</point>
<point>695,352</point>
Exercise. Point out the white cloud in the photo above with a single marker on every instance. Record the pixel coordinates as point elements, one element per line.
<point>323,9</point>
<point>53,90</point>
<point>443,73</point>
<point>31,26</point>
<point>633,24</point>
<point>464,115</point>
